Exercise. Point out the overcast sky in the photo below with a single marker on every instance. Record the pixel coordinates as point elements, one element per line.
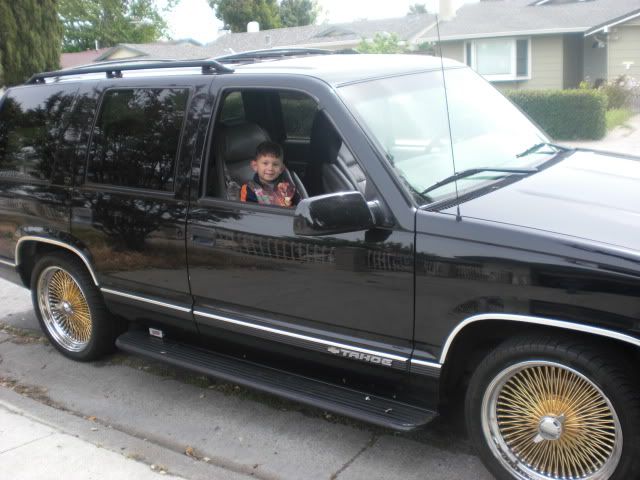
<point>195,19</point>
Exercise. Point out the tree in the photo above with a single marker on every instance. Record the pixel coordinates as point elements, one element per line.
<point>382,43</point>
<point>30,37</point>
<point>106,23</point>
<point>295,13</point>
<point>237,13</point>
<point>417,8</point>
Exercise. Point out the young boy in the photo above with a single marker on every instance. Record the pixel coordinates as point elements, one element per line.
<point>271,184</point>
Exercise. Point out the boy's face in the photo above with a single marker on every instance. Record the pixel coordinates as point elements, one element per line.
<point>267,167</point>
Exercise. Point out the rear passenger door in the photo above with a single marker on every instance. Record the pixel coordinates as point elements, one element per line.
<point>346,296</point>
<point>130,201</point>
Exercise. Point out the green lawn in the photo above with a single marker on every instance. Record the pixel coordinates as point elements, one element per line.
<point>617,116</point>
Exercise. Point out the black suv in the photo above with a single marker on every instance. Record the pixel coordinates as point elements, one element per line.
<point>442,247</point>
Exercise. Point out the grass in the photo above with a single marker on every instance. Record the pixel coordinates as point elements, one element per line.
<point>617,116</point>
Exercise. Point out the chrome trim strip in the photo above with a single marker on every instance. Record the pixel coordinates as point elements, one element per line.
<point>425,368</point>
<point>58,244</point>
<point>424,363</point>
<point>300,337</point>
<point>539,321</point>
<point>146,300</point>
<point>8,264</point>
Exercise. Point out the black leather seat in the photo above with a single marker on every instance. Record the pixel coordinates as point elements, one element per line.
<point>332,167</point>
<point>235,147</point>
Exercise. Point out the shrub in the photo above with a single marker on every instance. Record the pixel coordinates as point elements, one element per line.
<point>565,114</point>
<point>619,91</point>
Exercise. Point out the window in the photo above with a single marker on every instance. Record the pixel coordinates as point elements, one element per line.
<point>316,162</point>
<point>499,58</point>
<point>136,137</point>
<point>31,127</point>
<point>232,108</point>
<point>298,112</point>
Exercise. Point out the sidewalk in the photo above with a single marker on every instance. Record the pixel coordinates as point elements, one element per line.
<point>622,139</point>
<point>32,449</point>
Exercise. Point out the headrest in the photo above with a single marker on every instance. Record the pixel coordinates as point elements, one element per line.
<point>237,143</point>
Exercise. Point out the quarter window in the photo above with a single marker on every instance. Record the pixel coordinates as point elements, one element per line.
<point>31,127</point>
<point>136,138</point>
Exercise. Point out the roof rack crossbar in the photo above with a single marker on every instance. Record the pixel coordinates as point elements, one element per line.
<point>115,71</point>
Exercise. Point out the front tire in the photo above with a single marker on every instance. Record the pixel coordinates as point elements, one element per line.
<point>70,308</point>
<point>542,409</point>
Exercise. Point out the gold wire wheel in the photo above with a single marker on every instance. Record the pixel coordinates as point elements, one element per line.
<point>544,420</point>
<point>64,309</point>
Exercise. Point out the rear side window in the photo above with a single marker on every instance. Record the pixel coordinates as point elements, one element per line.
<point>298,112</point>
<point>136,137</point>
<point>233,108</point>
<point>31,125</point>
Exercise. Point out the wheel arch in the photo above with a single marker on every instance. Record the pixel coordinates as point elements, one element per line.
<point>476,336</point>
<point>29,247</point>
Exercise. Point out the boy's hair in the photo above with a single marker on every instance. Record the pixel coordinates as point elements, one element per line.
<point>269,148</point>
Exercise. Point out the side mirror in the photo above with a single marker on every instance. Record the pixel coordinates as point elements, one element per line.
<point>333,213</point>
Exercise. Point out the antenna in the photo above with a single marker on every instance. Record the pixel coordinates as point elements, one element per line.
<point>446,100</point>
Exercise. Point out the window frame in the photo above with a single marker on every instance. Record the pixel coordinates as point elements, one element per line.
<point>472,46</point>
<point>221,95</point>
<point>96,116</point>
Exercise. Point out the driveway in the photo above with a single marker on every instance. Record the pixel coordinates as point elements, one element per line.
<point>622,139</point>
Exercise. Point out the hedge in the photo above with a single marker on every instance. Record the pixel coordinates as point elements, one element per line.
<point>565,114</point>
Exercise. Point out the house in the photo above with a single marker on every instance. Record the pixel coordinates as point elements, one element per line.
<point>409,29</point>
<point>75,59</point>
<point>171,50</point>
<point>544,43</point>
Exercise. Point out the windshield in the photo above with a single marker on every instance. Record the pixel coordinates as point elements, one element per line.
<point>407,116</point>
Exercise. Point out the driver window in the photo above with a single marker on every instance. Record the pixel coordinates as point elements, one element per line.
<point>299,152</point>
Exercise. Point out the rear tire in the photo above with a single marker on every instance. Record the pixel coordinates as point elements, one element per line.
<point>70,308</point>
<point>539,408</point>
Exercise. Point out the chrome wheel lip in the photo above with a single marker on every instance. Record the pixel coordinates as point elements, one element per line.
<point>49,315</point>
<point>498,446</point>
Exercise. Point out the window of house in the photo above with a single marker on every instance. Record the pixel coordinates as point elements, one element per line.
<point>499,58</point>
<point>136,137</point>
<point>31,129</point>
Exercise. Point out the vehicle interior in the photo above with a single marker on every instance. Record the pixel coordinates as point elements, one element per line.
<point>317,159</point>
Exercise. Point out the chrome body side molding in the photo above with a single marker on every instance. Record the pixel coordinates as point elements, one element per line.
<point>146,300</point>
<point>422,367</point>
<point>7,263</point>
<point>317,344</point>
<point>57,243</point>
<point>577,327</point>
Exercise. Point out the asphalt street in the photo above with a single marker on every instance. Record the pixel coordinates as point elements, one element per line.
<point>174,423</point>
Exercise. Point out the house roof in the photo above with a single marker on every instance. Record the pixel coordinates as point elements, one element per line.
<point>406,28</point>
<point>68,60</point>
<point>497,18</point>
<point>181,50</point>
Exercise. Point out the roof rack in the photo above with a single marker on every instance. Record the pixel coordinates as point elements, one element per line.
<point>115,71</point>
<point>271,54</point>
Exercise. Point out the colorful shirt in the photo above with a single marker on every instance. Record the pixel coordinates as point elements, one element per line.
<point>276,193</point>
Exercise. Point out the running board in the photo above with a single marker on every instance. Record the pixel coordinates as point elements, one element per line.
<point>327,396</point>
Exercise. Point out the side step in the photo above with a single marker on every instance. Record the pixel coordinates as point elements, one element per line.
<point>335,398</point>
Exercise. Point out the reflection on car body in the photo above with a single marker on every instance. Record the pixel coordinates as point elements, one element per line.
<point>442,246</point>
